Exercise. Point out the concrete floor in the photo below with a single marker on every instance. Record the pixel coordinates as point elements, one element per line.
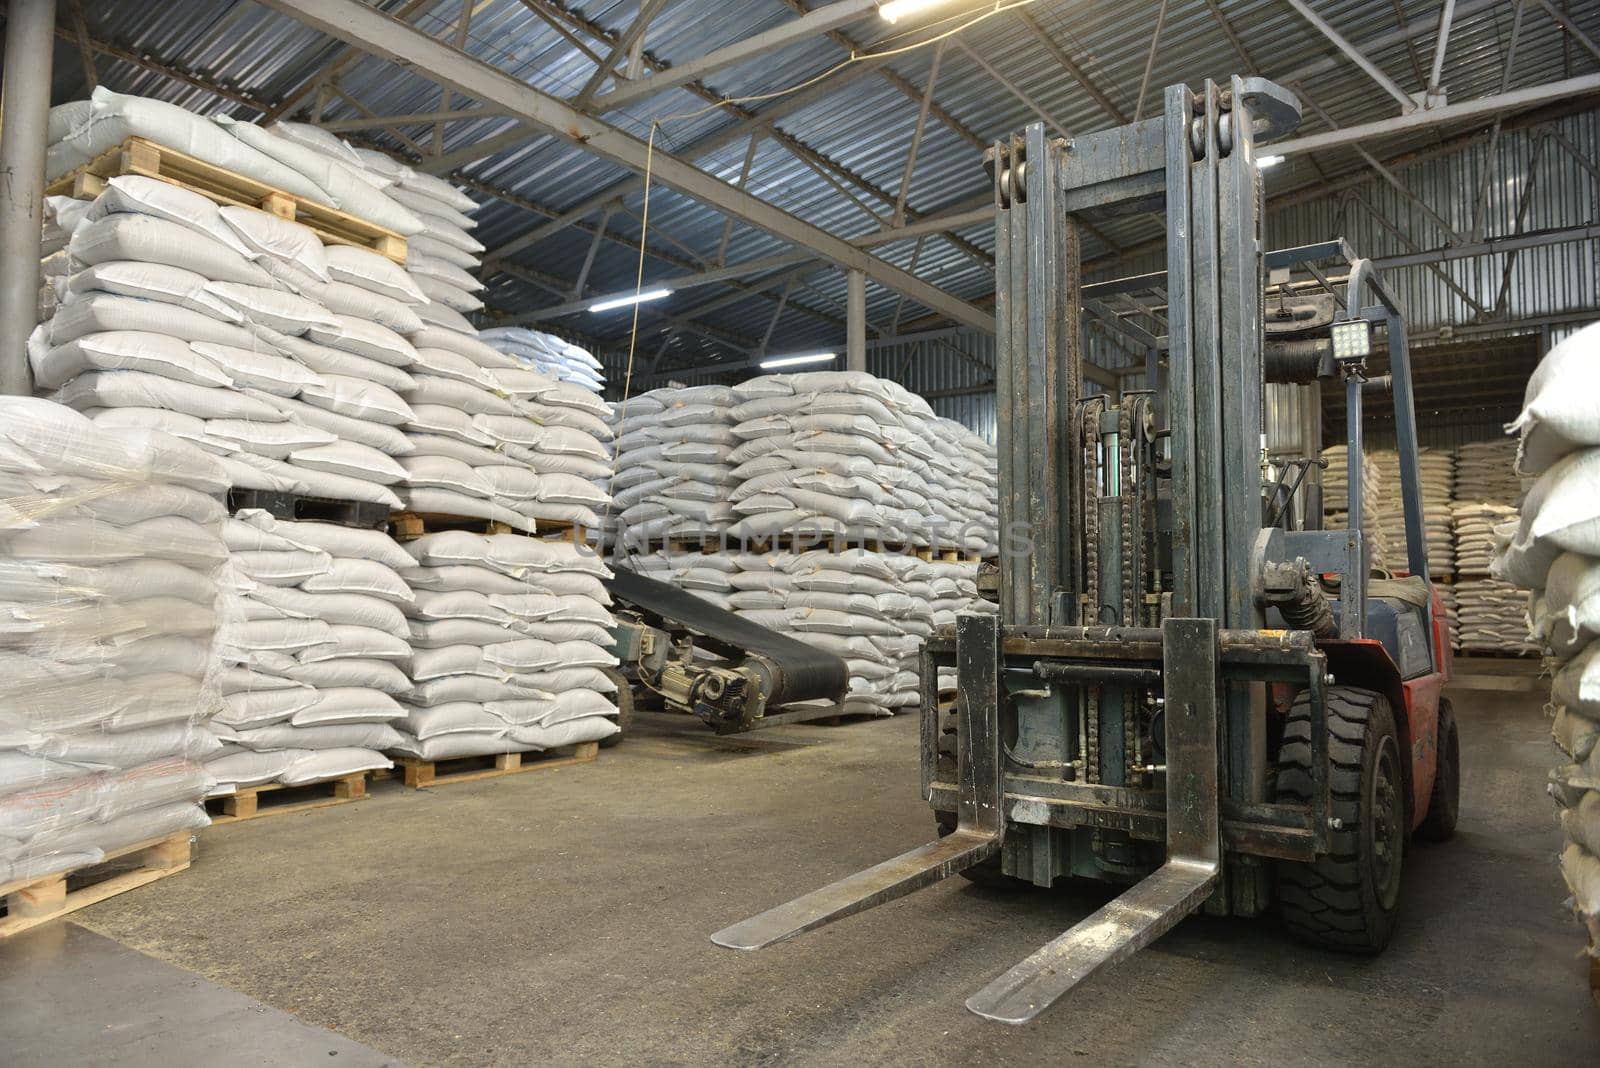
<point>562,917</point>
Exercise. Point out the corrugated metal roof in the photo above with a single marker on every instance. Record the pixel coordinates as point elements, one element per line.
<point>866,127</point>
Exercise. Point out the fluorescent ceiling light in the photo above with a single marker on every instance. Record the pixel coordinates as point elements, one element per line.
<point>637,298</point>
<point>1268,161</point>
<point>896,10</point>
<point>794,361</point>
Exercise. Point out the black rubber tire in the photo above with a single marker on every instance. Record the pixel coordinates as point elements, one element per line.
<point>1444,803</point>
<point>1348,899</point>
<point>624,699</point>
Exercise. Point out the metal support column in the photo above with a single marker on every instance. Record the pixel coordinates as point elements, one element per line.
<point>856,323</point>
<point>24,108</point>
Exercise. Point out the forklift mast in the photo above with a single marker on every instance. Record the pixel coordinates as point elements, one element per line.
<point>1113,721</point>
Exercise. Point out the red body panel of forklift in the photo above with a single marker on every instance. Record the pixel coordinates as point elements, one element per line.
<point>1366,663</point>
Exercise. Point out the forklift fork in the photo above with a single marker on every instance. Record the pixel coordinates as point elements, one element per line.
<point>980,824</point>
<point>1136,918</point>
<point>1154,905</point>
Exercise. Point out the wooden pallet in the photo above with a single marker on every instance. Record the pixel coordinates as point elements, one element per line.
<point>246,803</point>
<point>136,155</point>
<point>30,902</point>
<point>299,507</point>
<point>409,526</point>
<point>421,774</point>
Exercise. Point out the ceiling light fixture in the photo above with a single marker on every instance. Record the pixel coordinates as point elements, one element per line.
<point>1268,161</point>
<point>636,298</point>
<point>795,361</point>
<point>896,10</point>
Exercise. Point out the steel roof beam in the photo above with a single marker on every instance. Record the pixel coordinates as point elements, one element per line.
<point>343,56</point>
<point>818,21</point>
<point>1071,67</point>
<point>680,282</point>
<point>1403,34</point>
<point>1529,96</point>
<point>709,143</point>
<point>756,124</point>
<point>648,9</point>
<point>1407,105</point>
<point>396,41</point>
<point>410,119</point>
<point>1567,24</point>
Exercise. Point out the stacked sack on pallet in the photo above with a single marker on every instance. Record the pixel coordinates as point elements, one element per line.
<point>509,646</point>
<point>314,655</point>
<point>1336,500</point>
<point>486,435</point>
<point>548,354</point>
<point>109,570</point>
<point>172,317</point>
<point>80,131</point>
<point>673,470</point>
<point>1555,553</point>
<point>844,454</point>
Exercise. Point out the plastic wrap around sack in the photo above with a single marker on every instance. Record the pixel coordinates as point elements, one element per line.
<point>109,611</point>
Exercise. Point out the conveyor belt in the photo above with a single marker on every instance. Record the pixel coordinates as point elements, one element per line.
<point>805,673</point>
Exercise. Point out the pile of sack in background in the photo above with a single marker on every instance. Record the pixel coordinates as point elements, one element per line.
<point>548,354</point>
<point>673,473</point>
<point>509,646</point>
<point>1554,552</point>
<point>315,655</point>
<point>1437,470</point>
<point>109,571</point>
<point>1336,501</point>
<point>845,454</point>
<point>1490,613</point>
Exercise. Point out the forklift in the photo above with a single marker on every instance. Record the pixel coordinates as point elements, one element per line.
<point>1188,690</point>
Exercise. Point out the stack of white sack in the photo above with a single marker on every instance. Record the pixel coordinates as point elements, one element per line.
<point>509,646</point>
<point>1436,467</point>
<point>315,654</point>
<point>1486,471</point>
<point>549,355</point>
<point>109,605</point>
<point>955,593</point>
<point>441,252</point>
<point>1490,613</point>
<point>80,131</point>
<point>487,436</point>
<point>844,454</point>
<point>1555,553</point>
<point>1336,500</point>
<point>673,474</point>
<point>874,610</point>
<point>1474,525</point>
<point>61,217</point>
<point>184,317</point>
<point>707,575</point>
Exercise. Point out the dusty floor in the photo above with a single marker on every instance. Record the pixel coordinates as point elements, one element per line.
<point>562,917</point>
